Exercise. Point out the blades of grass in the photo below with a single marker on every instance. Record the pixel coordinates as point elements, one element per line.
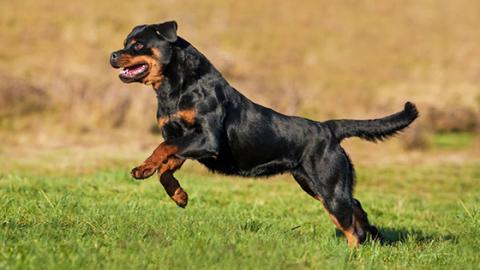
<point>48,200</point>
<point>466,209</point>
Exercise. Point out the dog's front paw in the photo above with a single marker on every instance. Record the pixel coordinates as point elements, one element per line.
<point>143,171</point>
<point>180,197</point>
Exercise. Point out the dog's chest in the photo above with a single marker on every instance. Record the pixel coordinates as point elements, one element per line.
<point>176,123</point>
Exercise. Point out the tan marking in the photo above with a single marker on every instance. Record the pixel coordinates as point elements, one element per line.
<point>155,76</point>
<point>170,183</point>
<point>156,53</point>
<point>180,197</point>
<point>155,161</point>
<point>318,197</point>
<point>349,233</point>
<point>155,68</point>
<point>161,153</point>
<point>188,116</point>
<point>172,164</point>
<point>163,120</point>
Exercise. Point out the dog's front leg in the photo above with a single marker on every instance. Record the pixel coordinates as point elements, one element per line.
<point>158,158</point>
<point>170,183</point>
<point>194,146</point>
<point>166,168</point>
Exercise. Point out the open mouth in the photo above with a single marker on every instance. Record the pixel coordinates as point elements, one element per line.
<point>134,72</point>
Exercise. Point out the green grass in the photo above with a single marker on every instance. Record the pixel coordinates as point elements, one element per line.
<point>105,220</point>
<point>453,140</point>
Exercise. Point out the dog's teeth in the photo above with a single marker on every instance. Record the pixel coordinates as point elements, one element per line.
<point>130,72</point>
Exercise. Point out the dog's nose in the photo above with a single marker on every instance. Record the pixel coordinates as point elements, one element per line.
<point>113,59</point>
<point>114,56</point>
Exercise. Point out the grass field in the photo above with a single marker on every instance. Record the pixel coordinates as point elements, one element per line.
<point>70,131</point>
<point>103,219</point>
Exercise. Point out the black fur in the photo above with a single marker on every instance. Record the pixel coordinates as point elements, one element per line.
<point>235,136</point>
<point>377,129</point>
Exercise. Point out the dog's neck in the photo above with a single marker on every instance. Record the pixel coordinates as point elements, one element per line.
<point>187,65</point>
<point>182,65</point>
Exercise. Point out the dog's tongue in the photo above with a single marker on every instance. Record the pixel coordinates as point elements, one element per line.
<point>133,70</point>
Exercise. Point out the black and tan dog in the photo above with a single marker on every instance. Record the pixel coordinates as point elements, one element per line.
<point>202,117</point>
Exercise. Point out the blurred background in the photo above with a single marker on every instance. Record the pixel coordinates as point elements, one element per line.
<point>61,104</point>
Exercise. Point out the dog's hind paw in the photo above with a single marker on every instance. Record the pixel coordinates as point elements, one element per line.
<point>376,234</point>
<point>143,171</point>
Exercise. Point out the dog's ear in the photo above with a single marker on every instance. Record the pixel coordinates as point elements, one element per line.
<point>167,30</point>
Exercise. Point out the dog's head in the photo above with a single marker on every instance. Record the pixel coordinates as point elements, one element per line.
<point>147,49</point>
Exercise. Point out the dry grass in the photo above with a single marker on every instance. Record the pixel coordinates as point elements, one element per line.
<point>319,59</point>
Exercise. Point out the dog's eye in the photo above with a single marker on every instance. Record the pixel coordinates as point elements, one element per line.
<point>137,46</point>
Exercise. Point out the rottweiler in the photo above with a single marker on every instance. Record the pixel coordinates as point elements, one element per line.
<point>202,117</point>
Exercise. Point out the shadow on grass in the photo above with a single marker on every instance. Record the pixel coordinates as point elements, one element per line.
<point>393,236</point>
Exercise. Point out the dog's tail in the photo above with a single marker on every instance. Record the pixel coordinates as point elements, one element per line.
<point>376,129</point>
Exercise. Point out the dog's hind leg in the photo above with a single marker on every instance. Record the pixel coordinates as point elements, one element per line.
<point>362,223</point>
<point>340,210</point>
<point>329,178</point>
<point>170,183</point>
<point>338,205</point>
<point>331,182</point>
